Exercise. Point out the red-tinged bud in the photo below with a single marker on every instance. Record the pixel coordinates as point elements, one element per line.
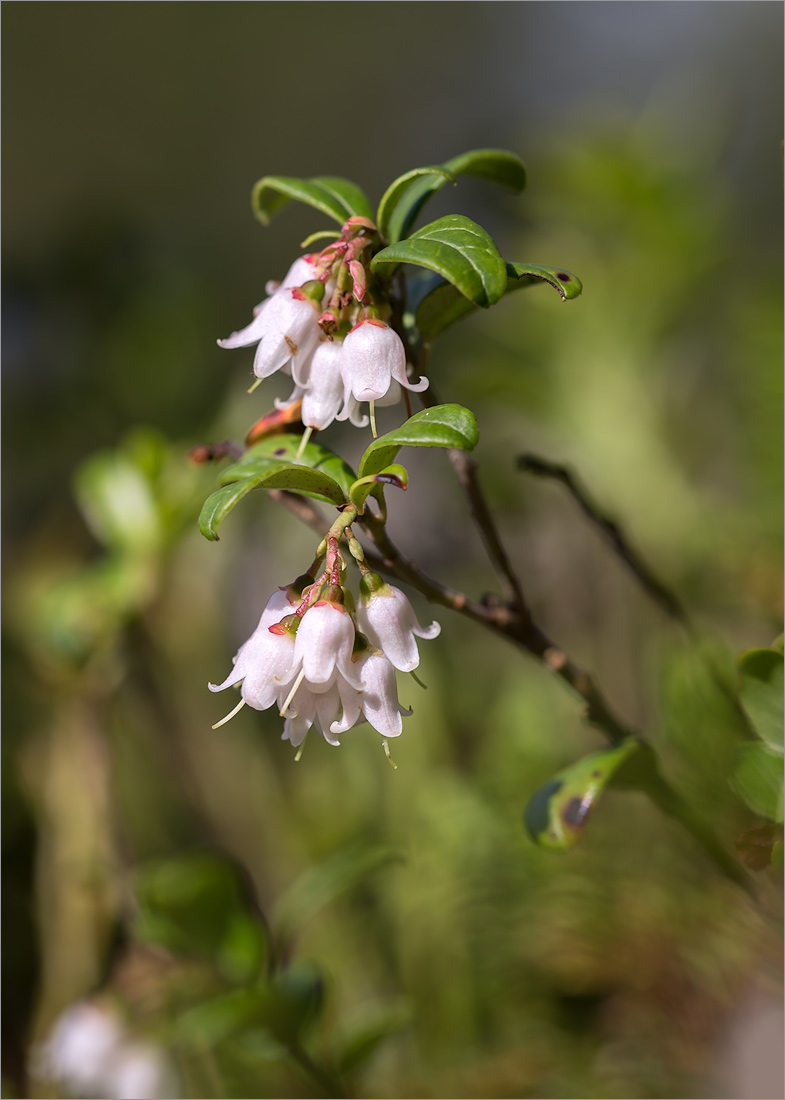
<point>358,279</point>
<point>273,423</point>
<point>357,222</point>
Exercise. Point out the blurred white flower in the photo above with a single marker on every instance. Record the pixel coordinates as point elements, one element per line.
<point>81,1047</point>
<point>90,1054</point>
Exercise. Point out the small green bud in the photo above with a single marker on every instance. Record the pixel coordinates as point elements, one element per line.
<point>372,585</point>
<point>313,290</point>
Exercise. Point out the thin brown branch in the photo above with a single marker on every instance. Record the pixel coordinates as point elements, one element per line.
<point>465,468</point>
<point>509,620</point>
<point>654,588</point>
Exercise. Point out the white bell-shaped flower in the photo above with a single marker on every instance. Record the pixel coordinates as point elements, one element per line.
<point>264,662</point>
<point>332,711</point>
<point>323,385</point>
<point>380,704</point>
<point>302,271</point>
<point>373,356</point>
<point>285,329</point>
<point>323,646</point>
<point>386,617</point>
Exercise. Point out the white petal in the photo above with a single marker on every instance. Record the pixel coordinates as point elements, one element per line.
<point>263,658</point>
<point>289,329</point>
<point>295,729</point>
<point>399,374</point>
<point>372,352</point>
<point>390,624</point>
<point>393,395</point>
<point>351,701</point>
<point>351,411</point>
<point>301,271</point>
<point>251,334</point>
<point>325,638</point>
<point>380,698</point>
<point>325,386</point>
<point>327,706</point>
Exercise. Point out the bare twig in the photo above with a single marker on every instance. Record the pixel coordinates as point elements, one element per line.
<point>465,469</point>
<point>665,599</point>
<point>505,619</point>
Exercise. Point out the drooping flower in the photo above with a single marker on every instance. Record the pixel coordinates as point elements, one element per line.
<point>380,704</point>
<point>322,385</point>
<point>386,617</point>
<point>264,662</point>
<point>285,329</point>
<point>332,711</point>
<point>373,357</point>
<point>308,665</point>
<point>323,646</point>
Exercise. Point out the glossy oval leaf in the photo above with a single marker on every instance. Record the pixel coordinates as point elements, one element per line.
<point>761,692</point>
<point>460,251</point>
<point>557,814</point>
<point>295,478</point>
<point>398,188</point>
<point>338,198</point>
<point>285,447</point>
<point>437,304</point>
<point>496,165</point>
<point>441,426</point>
<point>391,475</point>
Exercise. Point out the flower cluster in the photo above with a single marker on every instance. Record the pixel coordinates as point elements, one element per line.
<point>340,356</point>
<point>321,665</point>
<point>90,1053</point>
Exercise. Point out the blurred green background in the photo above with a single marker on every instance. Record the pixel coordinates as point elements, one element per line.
<point>140,848</point>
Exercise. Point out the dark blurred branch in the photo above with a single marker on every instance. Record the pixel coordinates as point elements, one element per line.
<point>541,467</point>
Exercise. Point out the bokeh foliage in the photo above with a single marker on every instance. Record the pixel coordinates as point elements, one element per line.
<point>400,927</point>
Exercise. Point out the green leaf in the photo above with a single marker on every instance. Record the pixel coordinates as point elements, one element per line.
<point>198,906</point>
<point>436,304</point>
<point>522,274</point>
<point>391,475</point>
<point>556,815</point>
<point>339,199</point>
<point>496,165</point>
<point>761,693</point>
<point>284,449</point>
<point>282,1008</point>
<point>398,188</point>
<point>297,479</point>
<point>321,884</point>
<point>460,251</point>
<point>441,426</point>
<point>117,501</point>
<point>758,780</point>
